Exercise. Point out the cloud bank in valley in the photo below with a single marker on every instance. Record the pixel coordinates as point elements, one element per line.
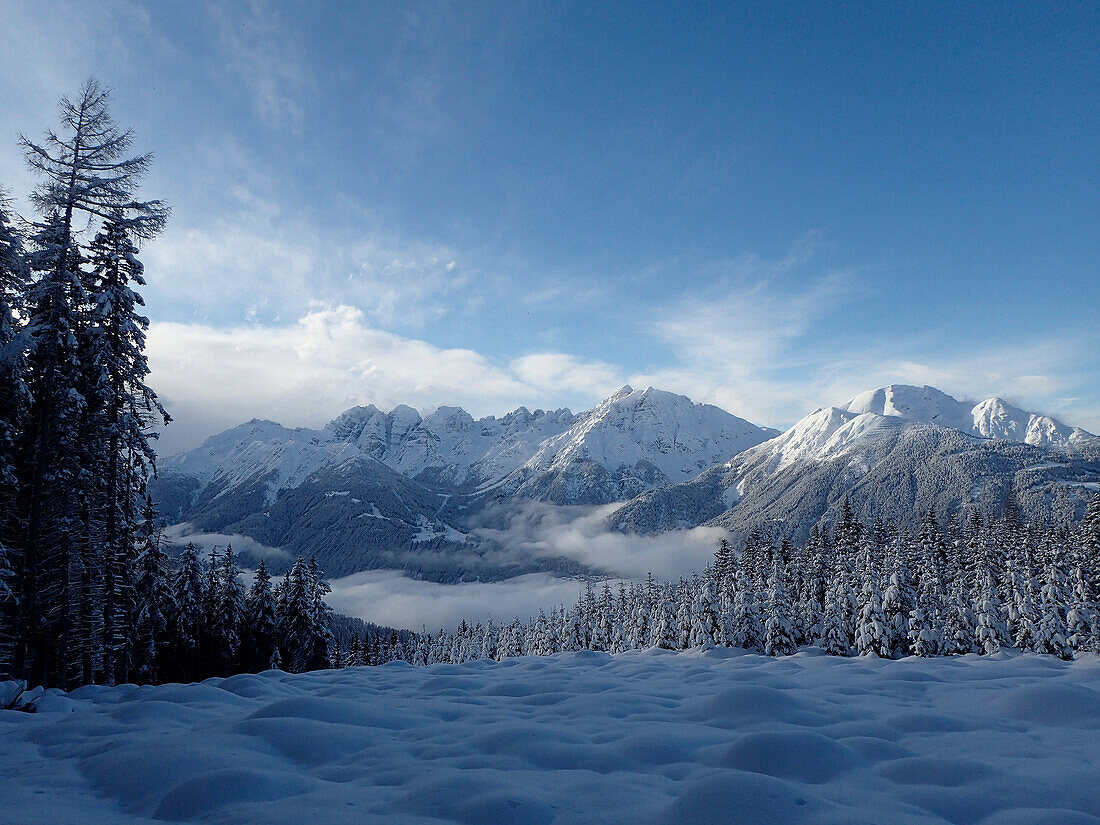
<point>531,530</point>
<point>389,598</point>
<point>535,529</point>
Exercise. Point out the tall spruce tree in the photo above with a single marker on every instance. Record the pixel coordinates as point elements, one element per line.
<point>125,409</point>
<point>51,575</point>
<point>228,613</point>
<point>152,599</point>
<point>260,623</point>
<point>74,623</point>
<point>188,600</point>
<point>14,403</point>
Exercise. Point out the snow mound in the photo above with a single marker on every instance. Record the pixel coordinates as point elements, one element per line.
<point>642,737</point>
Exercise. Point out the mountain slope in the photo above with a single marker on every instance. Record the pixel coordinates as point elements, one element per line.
<point>375,489</point>
<point>633,441</point>
<point>928,450</point>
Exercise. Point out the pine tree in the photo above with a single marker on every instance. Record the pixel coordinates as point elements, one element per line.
<point>320,616</point>
<point>704,620</point>
<point>542,643</point>
<point>898,603</point>
<point>871,633</point>
<point>52,571</point>
<point>601,623</point>
<point>1023,620</point>
<point>1051,632</point>
<point>835,639</point>
<point>778,629</point>
<point>665,634</point>
<point>959,621</point>
<point>153,599</point>
<point>725,562</point>
<point>15,401</point>
<point>641,618</point>
<point>925,620</point>
<point>487,643</point>
<point>570,632</point>
<point>932,543</point>
<point>1082,622</point>
<point>848,532</point>
<point>1088,542</point>
<point>227,619</point>
<point>68,624</point>
<point>188,600</point>
<point>296,631</point>
<point>991,632</point>
<point>123,409</point>
<point>747,623</point>
<point>260,623</point>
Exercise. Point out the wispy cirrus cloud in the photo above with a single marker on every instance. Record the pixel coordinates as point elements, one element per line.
<point>763,344</point>
<point>262,53</point>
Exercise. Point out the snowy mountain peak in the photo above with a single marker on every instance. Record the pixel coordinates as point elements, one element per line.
<point>636,439</point>
<point>993,418</point>
<point>821,434</point>
<point>913,404</point>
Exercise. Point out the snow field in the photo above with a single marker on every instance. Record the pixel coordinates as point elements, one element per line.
<point>641,737</point>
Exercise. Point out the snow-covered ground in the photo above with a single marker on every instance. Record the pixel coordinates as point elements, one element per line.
<point>644,737</point>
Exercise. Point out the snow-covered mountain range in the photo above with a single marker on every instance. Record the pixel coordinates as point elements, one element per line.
<point>397,485</point>
<point>992,418</point>
<point>894,452</point>
<point>397,489</point>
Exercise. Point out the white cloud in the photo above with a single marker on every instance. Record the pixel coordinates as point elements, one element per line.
<point>329,360</point>
<point>530,530</point>
<point>550,370</point>
<point>184,533</point>
<point>534,529</point>
<point>389,598</point>
<point>775,344</point>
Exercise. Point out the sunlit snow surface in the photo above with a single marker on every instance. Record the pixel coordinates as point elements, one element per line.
<point>643,737</point>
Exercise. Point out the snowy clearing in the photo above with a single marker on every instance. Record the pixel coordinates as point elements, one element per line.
<point>642,737</point>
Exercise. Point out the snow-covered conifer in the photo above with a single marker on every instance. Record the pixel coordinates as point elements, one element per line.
<point>959,621</point>
<point>152,598</point>
<point>229,612</point>
<point>746,622</point>
<point>188,598</point>
<point>898,603</point>
<point>1082,622</point>
<point>1051,632</point>
<point>704,619</point>
<point>260,623</point>
<point>871,631</point>
<point>778,627</point>
<point>14,402</point>
<point>991,631</point>
<point>835,639</point>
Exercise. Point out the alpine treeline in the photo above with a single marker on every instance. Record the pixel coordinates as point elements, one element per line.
<point>86,591</point>
<point>972,587</point>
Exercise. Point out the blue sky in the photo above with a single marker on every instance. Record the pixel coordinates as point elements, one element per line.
<point>768,206</point>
